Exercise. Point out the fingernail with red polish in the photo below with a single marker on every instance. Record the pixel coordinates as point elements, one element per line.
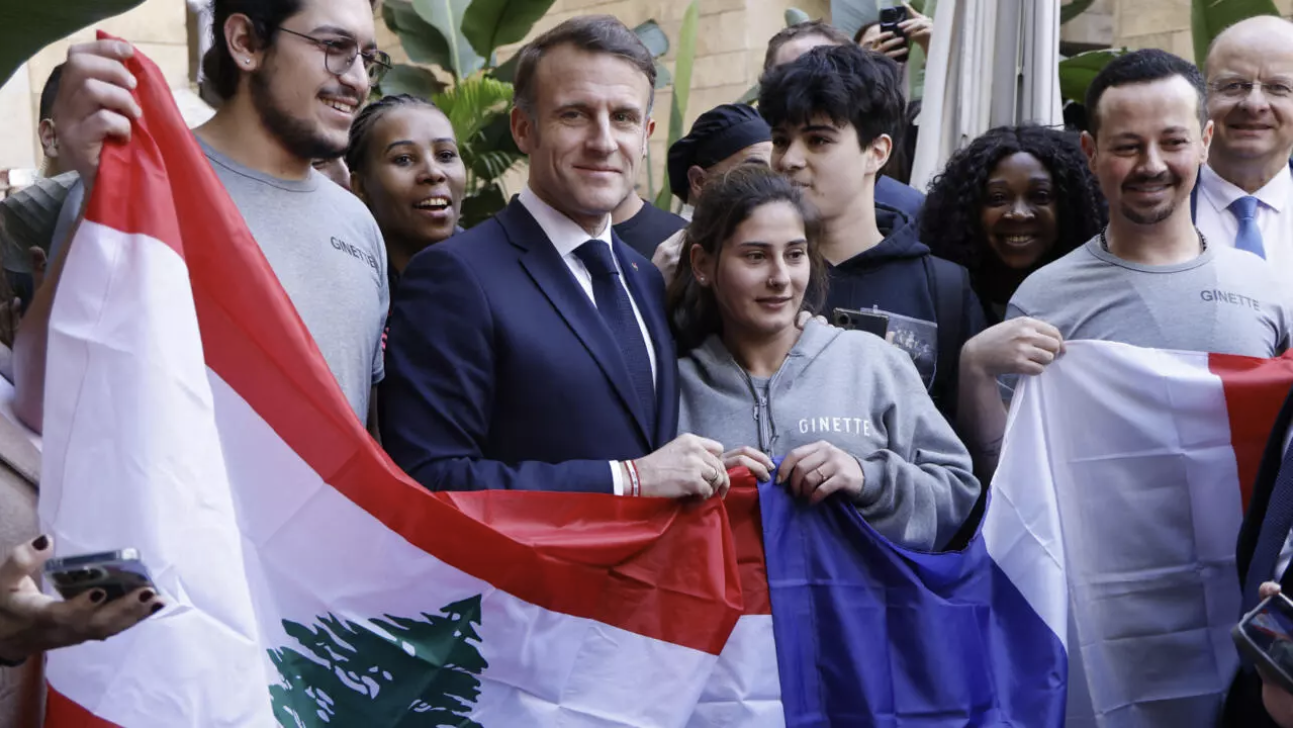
<point>97,596</point>
<point>146,596</point>
<point>41,542</point>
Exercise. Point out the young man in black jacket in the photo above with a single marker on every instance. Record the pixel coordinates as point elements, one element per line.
<point>831,111</point>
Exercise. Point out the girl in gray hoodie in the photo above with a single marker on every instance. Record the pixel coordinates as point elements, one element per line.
<point>846,410</point>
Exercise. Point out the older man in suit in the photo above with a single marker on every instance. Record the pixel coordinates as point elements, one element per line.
<point>533,352</point>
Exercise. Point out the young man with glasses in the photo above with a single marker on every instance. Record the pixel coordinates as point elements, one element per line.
<point>291,74</point>
<point>1244,194</point>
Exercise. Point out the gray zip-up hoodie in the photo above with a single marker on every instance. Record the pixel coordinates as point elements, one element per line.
<point>854,390</point>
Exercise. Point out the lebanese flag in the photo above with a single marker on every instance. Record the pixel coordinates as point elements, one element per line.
<point>1145,460</point>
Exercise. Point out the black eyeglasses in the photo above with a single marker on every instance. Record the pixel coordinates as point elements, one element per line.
<point>341,53</point>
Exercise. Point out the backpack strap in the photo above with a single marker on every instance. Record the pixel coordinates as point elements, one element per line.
<point>948,283</point>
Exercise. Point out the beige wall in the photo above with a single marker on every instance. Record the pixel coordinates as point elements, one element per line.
<point>1161,24</point>
<point>158,28</point>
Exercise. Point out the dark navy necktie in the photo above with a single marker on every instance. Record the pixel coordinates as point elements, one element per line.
<point>613,302</point>
<point>1274,528</point>
<point>1248,237</point>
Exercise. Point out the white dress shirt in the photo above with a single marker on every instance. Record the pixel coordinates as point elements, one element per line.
<point>566,237</point>
<point>1273,216</point>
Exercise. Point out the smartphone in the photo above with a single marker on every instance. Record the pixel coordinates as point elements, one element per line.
<point>115,573</point>
<point>1264,636</point>
<point>889,19</point>
<point>855,319</point>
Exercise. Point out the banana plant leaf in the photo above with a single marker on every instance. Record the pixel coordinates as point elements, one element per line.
<point>653,37</point>
<point>408,79</point>
<point>680,91</point>
<point>489,24</point>
<point>1210,17</point>
<point>1072,9</point>
<point>31,26</point>
<point>423,43</point>
<point>1076,73</point>
<point>446,18</point>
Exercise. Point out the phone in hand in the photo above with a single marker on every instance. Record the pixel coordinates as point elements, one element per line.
<point>855,319</point>
<point>1264,637</point>
<point>889,19</point>
<point>116,573</point>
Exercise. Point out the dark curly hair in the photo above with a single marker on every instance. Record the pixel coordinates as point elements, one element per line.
<point>725,203</point>
<point>950,223</point>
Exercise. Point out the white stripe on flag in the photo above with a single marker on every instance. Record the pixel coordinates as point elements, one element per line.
<point>125,370</point>
<point>744,690</point>
<point>1135,446</point>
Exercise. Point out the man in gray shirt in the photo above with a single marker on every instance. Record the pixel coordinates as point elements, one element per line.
<point>292,74</point>
<point>1150,279</point>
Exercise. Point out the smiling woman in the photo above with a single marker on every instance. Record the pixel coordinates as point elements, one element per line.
<point>846,410</point>
<point>1013,200</point>
<point>405,166</point>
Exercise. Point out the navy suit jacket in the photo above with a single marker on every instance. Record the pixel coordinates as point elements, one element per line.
<point>501,373</point>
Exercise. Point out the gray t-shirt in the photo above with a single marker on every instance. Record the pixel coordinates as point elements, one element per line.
<point>328,254</point>
<point>1223,301</point>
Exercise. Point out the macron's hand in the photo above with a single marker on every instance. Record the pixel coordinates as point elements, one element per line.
<point>688,466</point>
<point>1023,346</point>
<point>94,103</point>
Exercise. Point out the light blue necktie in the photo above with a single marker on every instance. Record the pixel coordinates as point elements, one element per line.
<point>1248,237</point>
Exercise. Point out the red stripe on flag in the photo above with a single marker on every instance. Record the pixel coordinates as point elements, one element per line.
<point>63,712</point>
<point>743,504</point>
<point>658,568</point>
<point>1254,392</point>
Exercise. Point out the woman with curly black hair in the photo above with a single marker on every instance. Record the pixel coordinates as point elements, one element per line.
<point>1013,200</point>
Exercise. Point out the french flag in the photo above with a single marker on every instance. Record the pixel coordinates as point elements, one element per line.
<point>189,415</point>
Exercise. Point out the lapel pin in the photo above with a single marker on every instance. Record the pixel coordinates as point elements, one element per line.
<point>635,266</point>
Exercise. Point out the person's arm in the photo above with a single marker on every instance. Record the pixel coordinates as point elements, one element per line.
<point>1019,345</point>
<point>920,488</point>
<point>94,103</point>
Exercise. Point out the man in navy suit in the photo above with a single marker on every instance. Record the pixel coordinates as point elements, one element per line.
<point>533,352</point>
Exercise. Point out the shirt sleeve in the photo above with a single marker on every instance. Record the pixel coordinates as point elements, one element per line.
<point>384,309</point>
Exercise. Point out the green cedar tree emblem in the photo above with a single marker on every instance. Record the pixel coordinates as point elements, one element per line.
<point>423,674</point>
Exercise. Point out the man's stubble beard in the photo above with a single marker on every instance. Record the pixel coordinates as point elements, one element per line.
<point>300,137</point>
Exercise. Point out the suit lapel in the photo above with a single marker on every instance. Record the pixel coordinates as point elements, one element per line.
<point>555,279</point>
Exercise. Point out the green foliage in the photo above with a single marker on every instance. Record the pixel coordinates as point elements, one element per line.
<point>413,80</point>
<point>461,38</point>
<point>397,672</point>
<point>445,17</point>
<point>680,92</point>
<point>792,16</point>
<point>31,26</point>
<point>1076,73</point>
<point>1211,17</point>
<point>658,45</point>
<point>489,24</point>
<point>1072,9</point>
<point>478,111</point>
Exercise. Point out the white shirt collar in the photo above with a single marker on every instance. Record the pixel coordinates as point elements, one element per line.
<point>1275,194</point>
<point>566,235</point>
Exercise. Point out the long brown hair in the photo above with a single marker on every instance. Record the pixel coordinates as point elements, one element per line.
<point>726,203</point>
